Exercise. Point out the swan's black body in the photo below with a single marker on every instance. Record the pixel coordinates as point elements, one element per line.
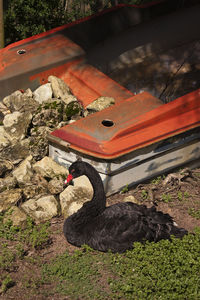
<point>116,227</point>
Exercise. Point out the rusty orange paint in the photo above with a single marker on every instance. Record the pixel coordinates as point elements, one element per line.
<point>43,52</point>
<point>86,82</point>
<point>137,122</point>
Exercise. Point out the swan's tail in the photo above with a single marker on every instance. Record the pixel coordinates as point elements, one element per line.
<point>163,225</point>
<point>178,232</point>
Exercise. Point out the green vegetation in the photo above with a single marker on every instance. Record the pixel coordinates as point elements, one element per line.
<point>166,198</point>
<point>195,213</point>
<point>164,270</point>
<point>124,189</point>
<point>34,236</point>
<point>144,194</point>
<point>73,108</point>
<point>157,180</point>
<point>23,19</point>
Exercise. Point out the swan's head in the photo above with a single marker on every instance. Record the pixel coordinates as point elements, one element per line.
<point>76,169</point>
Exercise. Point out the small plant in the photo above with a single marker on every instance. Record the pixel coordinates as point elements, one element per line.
<point>7,258</point>
<point>157,180</point>
<point>35,236</point>
<point>124,189</point>
<point>7,282</point>
<point>166,198</point>
<point>182,196</point>
<point>195,213</point>
<point>144,194</point>
<point>72,109</point>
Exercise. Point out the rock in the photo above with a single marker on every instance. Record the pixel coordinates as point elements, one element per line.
<point>7,183</point>
<point>16,152</point>
<point>38,142</point>
<point>16,125</point>
<point>1,117</point>
<point>39,147</point>
<point>42,209</point>
<point>24,173</point>
<point>99,104</point>
<point>17,216</point>
<point>131,198</point>
<point>56,185</point>
<point>72,199</point>
<point>7,101</point>
<point>69,98</point>
<point>83,181</point>
<point>73,109</point>
<point>59,87</point>
<point>9,198</point>
<point>43,93</point>
<point>41,131</point>
<point>4,140</point>
<point>47,167</point>
<point>5,166</point>
<point>3,111</point>
<point>21,102</point>
<point>31,191</point>
<point>47,117</point>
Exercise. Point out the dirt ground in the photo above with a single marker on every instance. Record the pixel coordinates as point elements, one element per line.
<point>176,194</point>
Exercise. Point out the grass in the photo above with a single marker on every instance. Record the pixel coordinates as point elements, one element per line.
<point>195,213</point>
<point>35,237</point>
<point>163,270</point>
<point>166,198</point>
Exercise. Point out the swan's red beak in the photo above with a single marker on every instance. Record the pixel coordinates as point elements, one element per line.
<point>69,178</point>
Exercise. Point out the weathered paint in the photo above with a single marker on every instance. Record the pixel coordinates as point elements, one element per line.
<point>53,49</point>
<point>125,141</point>
<point>135,123</point>
<point>138,165</point>
<point>85,81</point>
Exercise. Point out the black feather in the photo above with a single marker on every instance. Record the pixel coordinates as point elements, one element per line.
<point>118,226</point>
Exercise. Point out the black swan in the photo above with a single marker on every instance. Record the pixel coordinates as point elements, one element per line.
<point>118,226</point>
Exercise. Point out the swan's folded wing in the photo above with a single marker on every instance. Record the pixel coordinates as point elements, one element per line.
<point>117,230</point>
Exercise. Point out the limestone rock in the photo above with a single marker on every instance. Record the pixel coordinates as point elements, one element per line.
<point>99,104</point>
<point>7,183</point>
<point>7,101</point>
<point>3,111</point>
<point>43,93</point>
<point>9,198</point>
<point>32,190</point>
<point>131,198</point>
<point>83,181</point>
<point>22,102</point>
<point>47,167</point>
<point>56,185</point>
<point>69,98</point>
<point>4,140</point>
<point>42,209</point>
<point>59,87</point>
<point>72,110</point>
<point>47,117</point>
<point>17,151</point>
<point>5,166</point>
<point>16,125</point>
<point>23,173</point>
<point>17,216</point>
<point>72,199</point>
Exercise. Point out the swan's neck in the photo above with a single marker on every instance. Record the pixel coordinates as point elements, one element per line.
<point>96,206</point>
<point>98,189</point>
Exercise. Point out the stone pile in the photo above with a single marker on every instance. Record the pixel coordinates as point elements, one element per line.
<point>31,183</point>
